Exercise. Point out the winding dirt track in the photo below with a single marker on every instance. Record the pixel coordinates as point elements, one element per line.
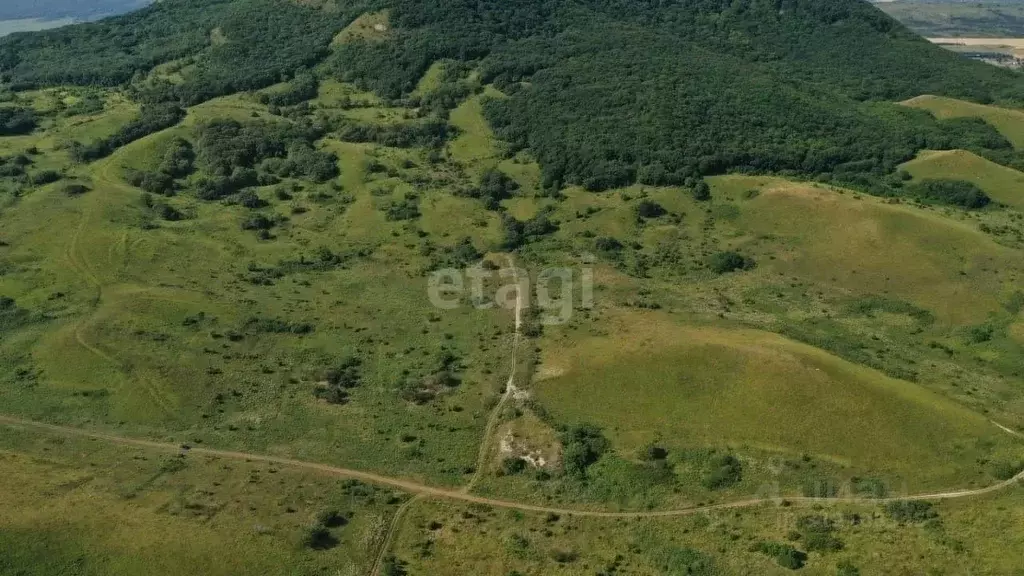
<point>510,386</point>
<point>485,442</point>
<point>457,494</point>
<point>422,490</point>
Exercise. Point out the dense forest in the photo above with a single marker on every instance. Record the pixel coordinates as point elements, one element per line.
<point>602,92</point>
<point>617,89</point>
<point>239,45</point>
<point>111,51</point>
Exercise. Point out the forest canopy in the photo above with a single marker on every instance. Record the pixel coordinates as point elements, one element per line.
<point>602,92</point>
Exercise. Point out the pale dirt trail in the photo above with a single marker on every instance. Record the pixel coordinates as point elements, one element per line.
<point>389,537</point>
<point>80,264</point>
<point>492,422</point>
<point>459,495</point>
<point>1007,430</point>
<point>485,443</point>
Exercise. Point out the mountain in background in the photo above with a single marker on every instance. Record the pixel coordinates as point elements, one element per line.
<point>222,229</point>
<point>603,92</point>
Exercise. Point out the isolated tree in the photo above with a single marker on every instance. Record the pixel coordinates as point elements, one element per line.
<point>649,209</point>
<point>701,191</point>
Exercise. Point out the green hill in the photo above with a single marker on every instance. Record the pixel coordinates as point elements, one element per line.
<point>603,92</point>
<point>223,222</point>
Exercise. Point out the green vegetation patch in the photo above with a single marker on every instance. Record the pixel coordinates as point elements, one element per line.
<point>573,115</point>
<point>953,192</point>
<point>695,387</point>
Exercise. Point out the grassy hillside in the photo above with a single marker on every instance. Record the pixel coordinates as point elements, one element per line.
<point>949,269</point>
<point>182,324</point>
<point>122,511</point>
<point>147,334</point>
<point>224,228</point>
<point>1003,184</point>
<point>974,535</point>
<point>704,387</point>
<point>469,540</point>
<point>1009,122</point>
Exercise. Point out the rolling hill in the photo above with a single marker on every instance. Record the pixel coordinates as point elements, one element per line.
<point>774,317</point>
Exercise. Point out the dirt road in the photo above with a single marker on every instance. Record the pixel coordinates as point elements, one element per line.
<point>459,495</point>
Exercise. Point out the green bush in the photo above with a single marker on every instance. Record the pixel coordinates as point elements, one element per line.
<point>649,209</point>
<point>607,244</point>
<point>1005,470</point>
<point>178,159</point>
<point>319,537</point>
<point>519,233</point>
<point>152,182</point>
<point>44,177</point>
<point>702,192</point>
<point>408,208</point>
<point>394,567</point>
<point>167,212</point>
<point>582,446</point>
<point>74,189</point>
<point>11,316</point>
<point>687,561</point>
<point>430,133</point>
<point>347,374</point>
<point>952,192</point>
<point>15,121</point>
<point>784,554</point>
<point>910,511</point>
<point>249,199</point>
<point>513,465</point>
<point>980,334</point>
<point>723,471</point>
<point>494,187</point>
<point>870,487</point>
<point>846,569</point>
<point>729,261</point>
<point>258,222</point>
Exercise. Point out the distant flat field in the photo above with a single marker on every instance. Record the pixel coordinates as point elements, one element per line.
<point>1012,42</point>
<point>31,24</point>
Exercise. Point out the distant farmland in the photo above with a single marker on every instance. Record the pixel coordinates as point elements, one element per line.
<point>31,24</point>
<point>1009,42</point>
